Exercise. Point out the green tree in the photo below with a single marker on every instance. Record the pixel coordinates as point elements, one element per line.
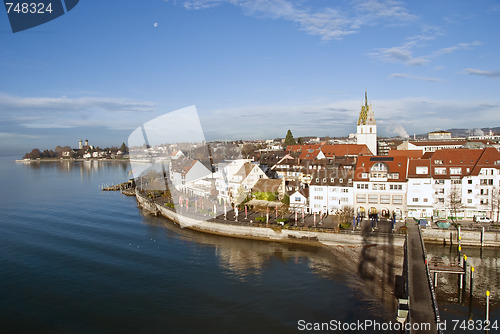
<point>124,148</point>
<point>289,140</point>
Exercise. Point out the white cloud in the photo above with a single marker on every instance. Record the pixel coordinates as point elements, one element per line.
<point>14,135</point>
<point>459,46</point>
<point>64,112</point>
<point>415,115</point>
<point>414,77</point>
<point>328,23</point>
<point>489,74</point>
<point>404,53</point>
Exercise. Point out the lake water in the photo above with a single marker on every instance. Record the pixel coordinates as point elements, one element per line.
<point>75,259</point>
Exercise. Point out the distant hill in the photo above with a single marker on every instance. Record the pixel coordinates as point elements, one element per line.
<point>457,133</point>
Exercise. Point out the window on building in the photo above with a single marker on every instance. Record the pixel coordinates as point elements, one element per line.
<point>469,191</point>
<point>455,170</point>
<point>426,200</point>
<point>415,199</point>
<point>456,181</point>
<point>397,199</point>
<point>379,170</point>
<point>486,182</point>
<point>320,198</point>
<point>469,200</point>
<point>364,175</point>
<point>469,181</point>
<point>422,170</point>
<point>385,199</point>
<point>438,162</point>
<point>345,190</point>
<point>372,198</point>
<point>361,198</point>
<point>484,192</point>
<point>440,200</point>
<point>440,170</point>
<point>439,182</point>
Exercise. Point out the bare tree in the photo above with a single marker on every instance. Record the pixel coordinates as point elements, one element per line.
<point>495,203</point>
<point>455,201</point>
<point>345,215</point>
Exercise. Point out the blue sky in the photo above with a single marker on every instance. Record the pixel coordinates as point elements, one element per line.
<point>253,68</point>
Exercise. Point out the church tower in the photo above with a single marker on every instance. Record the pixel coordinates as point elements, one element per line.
<point>367,127</point>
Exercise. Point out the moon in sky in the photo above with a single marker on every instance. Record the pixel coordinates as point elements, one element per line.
<point>156,24</point>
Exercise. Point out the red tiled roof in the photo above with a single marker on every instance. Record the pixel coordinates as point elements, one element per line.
<point>301,148</point>
<point>470,162</point>
<point>394,165</point>
<point>489,159</point>
<point>310,152</point>
<point>412,154</point>
<point>414,163</point>
<point>341,150</point>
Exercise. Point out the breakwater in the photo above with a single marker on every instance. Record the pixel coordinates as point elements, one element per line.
<point>274,234</point>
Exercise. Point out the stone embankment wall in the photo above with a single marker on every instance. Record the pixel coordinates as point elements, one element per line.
<point>270,234</point>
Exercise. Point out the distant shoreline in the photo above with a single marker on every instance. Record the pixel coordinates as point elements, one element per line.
<point>70,159</point>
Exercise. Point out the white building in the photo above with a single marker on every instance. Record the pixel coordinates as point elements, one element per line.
<point>184,171</point>
<point>367,128</point>
<point>235,179</point>
<point>468,177</point>
<point>299,200</point>
<point>421,189</point>
<point>380,186</point>
<point>331,189</point>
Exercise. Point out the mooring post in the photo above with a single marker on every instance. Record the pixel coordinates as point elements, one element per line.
<point>482,236</point>
<point>471,280</point>
<point>464,277</point>
<point>459,236</point>
<point>487,306</point>
<point>435,279</point>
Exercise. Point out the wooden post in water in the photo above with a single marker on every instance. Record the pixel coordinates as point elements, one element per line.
<point>487,306</point>
<point>471,280</point>
<point>464,277</point>
<point>482,236</point>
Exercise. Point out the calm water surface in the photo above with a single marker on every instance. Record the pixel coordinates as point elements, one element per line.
<point>78,260</point>
<point>75,259</point>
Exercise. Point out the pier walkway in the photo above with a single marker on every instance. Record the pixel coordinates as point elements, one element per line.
<point>422,308</point>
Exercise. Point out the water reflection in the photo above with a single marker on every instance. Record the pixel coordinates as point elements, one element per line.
<point>246,260</point>
<point>85,167</point>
